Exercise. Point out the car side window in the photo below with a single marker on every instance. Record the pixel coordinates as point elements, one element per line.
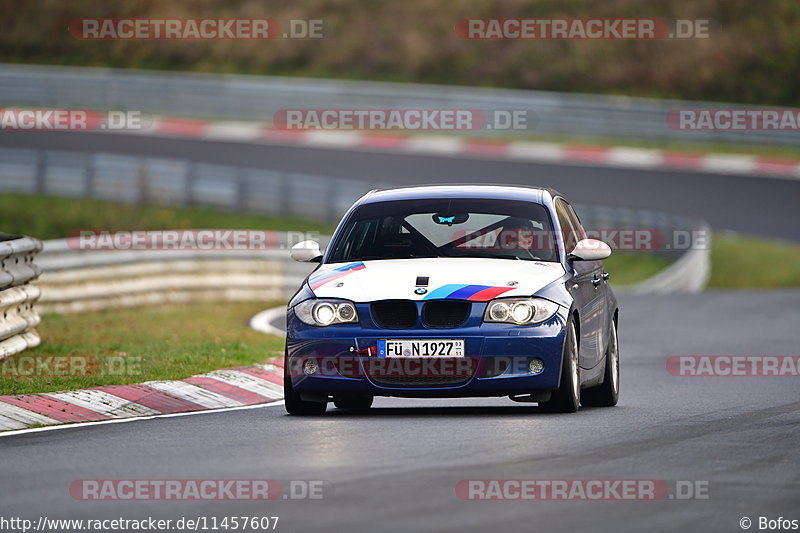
<point>576,222</point>
<point>568,231</point>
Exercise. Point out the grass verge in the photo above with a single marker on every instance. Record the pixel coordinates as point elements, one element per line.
<point>627,268</point>
<point>136,345</point>
<point>52,217</point>
<point>742,262</point>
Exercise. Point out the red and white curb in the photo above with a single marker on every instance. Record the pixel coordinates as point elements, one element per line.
<point>221,389</point>
<point>619,157</point>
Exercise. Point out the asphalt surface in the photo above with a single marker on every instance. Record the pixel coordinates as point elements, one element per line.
<point>760,206</point>
<point>395,468</point>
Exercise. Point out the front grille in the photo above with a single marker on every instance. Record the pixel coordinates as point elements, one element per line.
<point>418,381</point>
<point>396,314</point>
<point>445,313</point>
<point>411,372</point>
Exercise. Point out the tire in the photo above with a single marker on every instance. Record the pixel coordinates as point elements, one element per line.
<point>361,402</point>
<point>295,406</point>
<point>567,398</point>
<point>607,393</point>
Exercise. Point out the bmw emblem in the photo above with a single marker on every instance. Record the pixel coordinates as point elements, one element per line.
<point>420,290</point>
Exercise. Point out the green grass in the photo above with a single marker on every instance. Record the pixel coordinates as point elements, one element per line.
<point>136,345</point>
<point>51,217</point>
<point>739,262</point>
<point>627,268</point>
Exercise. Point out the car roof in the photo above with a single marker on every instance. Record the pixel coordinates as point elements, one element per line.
<point>460,190</point>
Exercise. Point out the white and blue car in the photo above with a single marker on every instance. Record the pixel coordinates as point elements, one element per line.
<point>454,291</point>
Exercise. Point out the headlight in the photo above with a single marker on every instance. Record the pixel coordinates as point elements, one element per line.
<point>520,311</point>
<point>326,312</point>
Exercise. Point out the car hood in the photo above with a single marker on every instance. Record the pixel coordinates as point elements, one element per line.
<point>473,279</point>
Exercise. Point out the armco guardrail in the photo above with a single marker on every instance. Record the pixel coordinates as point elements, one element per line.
<point>177,182</point>
<point>75,280</point>
<point>17,297</point>
<point>689,273</point>
<point>260,97</point>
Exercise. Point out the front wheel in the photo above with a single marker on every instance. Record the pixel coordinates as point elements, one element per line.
<point>567,397</point>
<point>297,406</point>
<point>607,393</point>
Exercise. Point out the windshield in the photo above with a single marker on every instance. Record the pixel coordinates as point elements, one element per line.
<point>456,227</point>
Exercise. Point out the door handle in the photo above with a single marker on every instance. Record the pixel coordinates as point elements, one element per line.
<point>606,276</point>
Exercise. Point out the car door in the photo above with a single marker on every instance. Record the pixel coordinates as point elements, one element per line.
<point>588,288</point>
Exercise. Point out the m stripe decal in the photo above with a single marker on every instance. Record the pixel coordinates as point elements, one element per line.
<point>321,279</point>
<point>460,291</point>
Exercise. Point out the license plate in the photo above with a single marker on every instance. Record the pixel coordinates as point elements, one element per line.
<point>421,348</point>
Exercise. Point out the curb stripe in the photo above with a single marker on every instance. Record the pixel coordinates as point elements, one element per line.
<point>383,141</point>
<point>243,396</point>
<point>591,154</point>
<point>619,156</point>
<point>13,417</point>
<point>182,126</point>
<point>54,408</point>
<point>192,393</point>
<point>228,388</point>
<point>152,398</point>
<point>277,379</point>
<point>103,402</point>
<point>682,160</point>
<point>485,147</point>
<point>249,382</point>
<point>291,137</point>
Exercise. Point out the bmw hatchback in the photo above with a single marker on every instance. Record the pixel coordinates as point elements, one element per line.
<point>454,291</point>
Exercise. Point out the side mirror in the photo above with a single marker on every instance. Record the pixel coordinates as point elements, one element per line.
<point>306,252</point>
<point>590,250</point>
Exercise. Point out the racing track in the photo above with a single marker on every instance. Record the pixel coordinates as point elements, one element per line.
<point>396,467</point>
<point>762,206</point>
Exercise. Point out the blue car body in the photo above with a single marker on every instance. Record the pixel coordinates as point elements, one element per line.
<point>581,292</point>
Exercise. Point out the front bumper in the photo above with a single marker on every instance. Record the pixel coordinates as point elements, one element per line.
<point>499,358</point>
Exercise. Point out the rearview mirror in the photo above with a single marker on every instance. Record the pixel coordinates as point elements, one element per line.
<point>306,252</point>
<point>590,250</point>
